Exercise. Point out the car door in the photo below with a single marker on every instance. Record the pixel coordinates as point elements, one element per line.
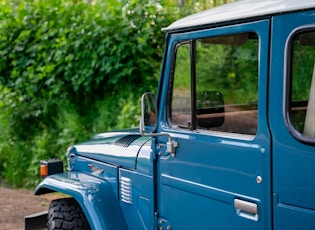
<point>292,114</point>
<point>213,104</point>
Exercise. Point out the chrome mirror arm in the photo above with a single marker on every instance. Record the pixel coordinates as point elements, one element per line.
<point>170,144</point>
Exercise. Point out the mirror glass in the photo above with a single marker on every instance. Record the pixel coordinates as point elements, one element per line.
<point>148,116</point>
<point>307,39</point>
<point>210,109</point>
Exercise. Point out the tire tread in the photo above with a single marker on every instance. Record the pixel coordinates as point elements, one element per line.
<point>66,214</point>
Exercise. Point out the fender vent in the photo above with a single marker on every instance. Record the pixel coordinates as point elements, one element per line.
<point>126,140</point>
<point>126,190</point>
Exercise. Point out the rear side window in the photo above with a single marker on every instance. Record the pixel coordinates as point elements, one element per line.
<point>215,84</point>
<point>301,84</point>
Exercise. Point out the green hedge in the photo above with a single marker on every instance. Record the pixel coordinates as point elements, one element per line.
<point>69,70</point>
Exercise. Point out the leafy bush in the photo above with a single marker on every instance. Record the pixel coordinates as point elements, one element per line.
<point>67,71</point>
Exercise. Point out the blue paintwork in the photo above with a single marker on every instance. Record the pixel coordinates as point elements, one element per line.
<point>210,171</point>
<point>97,189</point>
<point>94,195</point>
<point>144,160</point>
<point>104,171</point>
<point>104,150</point>
<point>139,214</point>
<point>293,161</point>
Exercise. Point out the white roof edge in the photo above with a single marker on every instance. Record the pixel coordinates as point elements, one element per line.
<point>241,9</point>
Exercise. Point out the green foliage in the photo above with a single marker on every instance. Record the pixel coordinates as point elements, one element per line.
<point>69,70</point>
<point>230,69</point>
<point>302,69</point>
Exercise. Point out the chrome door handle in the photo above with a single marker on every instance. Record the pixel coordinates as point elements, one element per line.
<point>246,209</point>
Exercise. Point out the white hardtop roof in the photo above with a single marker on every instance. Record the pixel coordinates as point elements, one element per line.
<point>241,9</point>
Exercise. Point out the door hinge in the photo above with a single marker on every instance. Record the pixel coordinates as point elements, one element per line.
<point>160,223</point>
<point>167,149</point>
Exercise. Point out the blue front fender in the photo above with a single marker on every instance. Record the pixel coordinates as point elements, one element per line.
<point>95,196</point>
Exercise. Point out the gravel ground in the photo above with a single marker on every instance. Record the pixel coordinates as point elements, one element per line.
<point>15,204</point>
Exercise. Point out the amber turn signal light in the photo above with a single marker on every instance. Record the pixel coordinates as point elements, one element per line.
<point>43,171</point>
<point>50,167</point>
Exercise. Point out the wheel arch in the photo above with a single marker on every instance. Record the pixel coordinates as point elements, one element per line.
<point>95,197</point>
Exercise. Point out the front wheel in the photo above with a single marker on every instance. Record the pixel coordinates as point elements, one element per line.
<point>66,214</point>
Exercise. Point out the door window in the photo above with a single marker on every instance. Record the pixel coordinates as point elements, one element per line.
<point>215,84</point>
<point>301,86</point>
<point>181,98</point>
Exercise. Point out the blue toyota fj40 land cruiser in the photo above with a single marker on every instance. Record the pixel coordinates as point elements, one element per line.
<point>228,142</point>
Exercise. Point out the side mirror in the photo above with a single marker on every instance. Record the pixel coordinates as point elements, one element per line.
<point>148,122</point>
<point>148,113</point>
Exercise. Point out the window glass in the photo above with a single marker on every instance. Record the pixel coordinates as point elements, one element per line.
<point>220,75</point>
<point>181,103</point>
<point>302,90</point>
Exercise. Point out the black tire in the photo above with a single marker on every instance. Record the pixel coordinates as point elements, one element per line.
<point>66,214</point>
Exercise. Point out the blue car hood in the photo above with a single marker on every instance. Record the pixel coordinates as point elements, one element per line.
<point>116,148</point>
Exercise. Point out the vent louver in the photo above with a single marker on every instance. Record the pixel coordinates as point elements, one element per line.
<point>126,140</point>
<point>126,190</point>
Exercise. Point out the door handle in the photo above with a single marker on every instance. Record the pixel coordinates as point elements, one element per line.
<point>246,209</point>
